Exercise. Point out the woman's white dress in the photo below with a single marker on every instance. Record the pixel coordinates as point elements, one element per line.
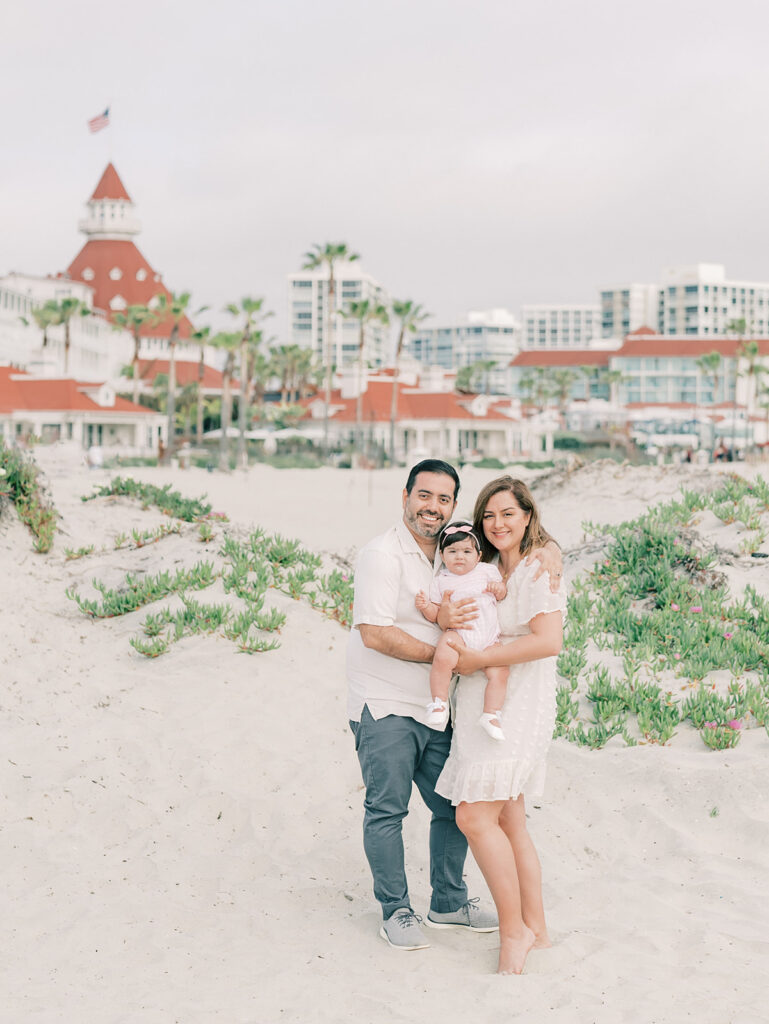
<point>479,767</point>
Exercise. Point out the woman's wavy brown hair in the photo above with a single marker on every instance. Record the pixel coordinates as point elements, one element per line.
<point>534,537</point>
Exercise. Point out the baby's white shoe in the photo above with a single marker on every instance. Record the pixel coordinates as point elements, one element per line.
<point>489,721</point>
<point>437,713</point>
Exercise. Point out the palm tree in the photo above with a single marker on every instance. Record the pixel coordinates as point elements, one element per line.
<point>185,401</point>
<point>563,382</point>
<point>536,385</point>
<point>133,319</point>
<point>201,336</point>
<point>366,311</point>
<point>410,315</point>
<point>285,363</point>
<point>44,316</point>
<point>230,343</point>
<point>252,312</point>
<point>753,371</point>
<point>261,370</point>
<point>319,256</point>
<point>740,328</point>
<point>709,365</point>
<point>62,313</point>
<point>174,307</point>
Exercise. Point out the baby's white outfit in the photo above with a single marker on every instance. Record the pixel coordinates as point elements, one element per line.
<point>484,630</point>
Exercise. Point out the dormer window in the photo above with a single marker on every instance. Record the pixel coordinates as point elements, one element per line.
<point>115,274</point>
<point>141,274</point>
<point>88,274</point>
<point>117,302</point>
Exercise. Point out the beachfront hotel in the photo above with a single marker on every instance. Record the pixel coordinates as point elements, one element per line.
<point>695,300</point>
<point>308,298</point>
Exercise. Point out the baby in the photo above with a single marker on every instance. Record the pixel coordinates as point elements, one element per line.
<point>466,576</point>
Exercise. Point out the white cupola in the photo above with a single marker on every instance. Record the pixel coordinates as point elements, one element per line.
<point>110,210</point>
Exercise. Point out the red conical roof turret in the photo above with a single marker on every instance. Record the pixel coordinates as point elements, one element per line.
<point>110,186</point>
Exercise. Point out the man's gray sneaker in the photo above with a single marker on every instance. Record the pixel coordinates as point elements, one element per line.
<point>470,915</point>
<point>402,930</point>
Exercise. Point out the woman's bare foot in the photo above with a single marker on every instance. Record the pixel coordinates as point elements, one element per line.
<point>542,941</point>
<point>513,952</point>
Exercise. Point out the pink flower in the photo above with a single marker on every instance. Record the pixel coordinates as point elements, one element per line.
<point>677,657</point>
<point>710,725</point>
<point>674,608</point>
<point>735,724</point>
<point>728,636</point>
<point>696,608</point>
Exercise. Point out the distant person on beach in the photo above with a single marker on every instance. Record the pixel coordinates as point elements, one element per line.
<point>484,779</point>
<point>464,575</point>
<point>389,652</point>
<point>720,452</point>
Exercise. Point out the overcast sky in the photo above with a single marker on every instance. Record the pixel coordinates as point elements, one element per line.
<point>479,154</point>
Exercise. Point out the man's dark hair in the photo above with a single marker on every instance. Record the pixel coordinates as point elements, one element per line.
<point>432,466</point>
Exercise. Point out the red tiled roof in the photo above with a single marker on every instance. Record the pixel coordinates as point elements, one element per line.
<point>19,390</point>
<point>641,331</point>
<point>412,404</point>
<point>692,348</point>
<point>563,357</point>
<point>186,373</point>
<point>102,255</point>
<point>110,186</point>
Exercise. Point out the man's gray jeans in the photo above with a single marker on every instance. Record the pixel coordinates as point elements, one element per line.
<point>393,752</point>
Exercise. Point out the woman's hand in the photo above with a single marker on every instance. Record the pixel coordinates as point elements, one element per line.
<point>550,560</point>
<point>457,615</point>
<point>469,661</point>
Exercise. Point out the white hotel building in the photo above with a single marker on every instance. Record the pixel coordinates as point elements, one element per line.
<point>693,300</point>
<point>560,326</point>
<point>308,296</point>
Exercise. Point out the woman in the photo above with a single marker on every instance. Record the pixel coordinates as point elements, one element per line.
<point>483,777</point>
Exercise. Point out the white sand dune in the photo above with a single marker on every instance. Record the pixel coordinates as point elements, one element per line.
<point>181,837</point>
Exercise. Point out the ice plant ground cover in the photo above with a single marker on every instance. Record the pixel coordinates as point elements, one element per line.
<point>656,602</point>
<point>20,481</point>
<point>248,569</point>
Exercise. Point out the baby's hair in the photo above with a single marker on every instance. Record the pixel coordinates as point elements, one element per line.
<point>460,530</point>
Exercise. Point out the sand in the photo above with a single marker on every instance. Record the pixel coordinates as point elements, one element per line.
<point>181,837</point>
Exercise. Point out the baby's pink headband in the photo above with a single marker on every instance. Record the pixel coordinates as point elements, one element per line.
<point>466,528</point>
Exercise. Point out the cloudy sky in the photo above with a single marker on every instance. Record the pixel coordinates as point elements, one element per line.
<point>478,154</point>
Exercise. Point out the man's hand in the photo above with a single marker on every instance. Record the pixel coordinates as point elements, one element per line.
<point>457,615</point>
<point>550,560</point>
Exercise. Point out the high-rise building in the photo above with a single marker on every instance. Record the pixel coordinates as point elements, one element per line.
<point>694,300</point>
<point>628,308</point>
<point>699,301</point>
<point>308,297</point>
<point>560,326</point>
<point>488,336</point>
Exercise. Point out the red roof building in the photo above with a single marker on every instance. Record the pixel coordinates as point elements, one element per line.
<point>66,409</point>
<point>187,372</point>
<point>110,262</point>
<point>431,423</point>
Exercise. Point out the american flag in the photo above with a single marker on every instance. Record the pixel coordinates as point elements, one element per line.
<point>100,121</point>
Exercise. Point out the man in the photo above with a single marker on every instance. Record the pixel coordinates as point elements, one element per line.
<point>390,649</point>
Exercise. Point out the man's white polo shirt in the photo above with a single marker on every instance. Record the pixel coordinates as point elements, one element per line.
<point>388,573</point>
